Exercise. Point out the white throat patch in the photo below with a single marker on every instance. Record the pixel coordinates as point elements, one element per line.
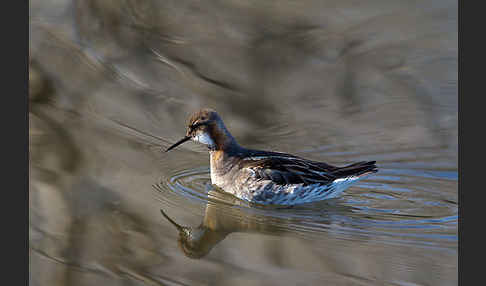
<point>204,138</point>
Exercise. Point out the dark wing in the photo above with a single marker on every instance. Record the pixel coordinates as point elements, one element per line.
<point>284,169</point>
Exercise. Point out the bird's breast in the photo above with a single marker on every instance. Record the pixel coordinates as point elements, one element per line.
<point>217,168</point>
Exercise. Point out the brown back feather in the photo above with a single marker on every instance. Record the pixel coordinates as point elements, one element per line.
<point>284,169</point>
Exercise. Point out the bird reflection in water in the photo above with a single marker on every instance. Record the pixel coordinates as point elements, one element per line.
<point>222,219</point>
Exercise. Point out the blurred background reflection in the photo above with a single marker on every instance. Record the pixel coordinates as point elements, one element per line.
<point>111,84</point>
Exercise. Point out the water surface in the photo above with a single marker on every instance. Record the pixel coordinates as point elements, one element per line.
<point>111,86</point>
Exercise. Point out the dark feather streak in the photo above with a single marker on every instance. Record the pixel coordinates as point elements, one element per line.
<point>284,169</point>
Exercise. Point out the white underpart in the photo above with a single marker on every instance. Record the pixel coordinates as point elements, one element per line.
<point>204,138</point>
<point>289,194</point>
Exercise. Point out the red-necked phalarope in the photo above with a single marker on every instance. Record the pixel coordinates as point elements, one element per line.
<point>264,177</point>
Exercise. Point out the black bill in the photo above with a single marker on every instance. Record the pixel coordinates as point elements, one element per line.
<point>178,143</point>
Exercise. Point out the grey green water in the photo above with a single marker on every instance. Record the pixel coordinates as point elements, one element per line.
<point>111,84</point>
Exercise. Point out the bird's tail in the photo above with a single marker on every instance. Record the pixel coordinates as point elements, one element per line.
<point>356,169</point>
<point>349,175</point>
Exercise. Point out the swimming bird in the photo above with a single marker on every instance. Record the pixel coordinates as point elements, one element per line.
<point>265,177</point>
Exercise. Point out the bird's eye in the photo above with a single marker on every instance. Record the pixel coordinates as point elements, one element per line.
<point>196,124</point>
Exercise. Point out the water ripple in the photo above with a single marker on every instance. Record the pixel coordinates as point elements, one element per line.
<point>381,207</point>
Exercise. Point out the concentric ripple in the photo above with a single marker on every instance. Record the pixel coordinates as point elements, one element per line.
<point>395,206</point>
